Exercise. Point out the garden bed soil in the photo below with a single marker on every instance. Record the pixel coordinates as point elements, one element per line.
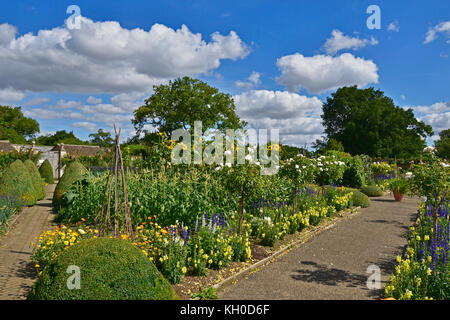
<point>217,278</point>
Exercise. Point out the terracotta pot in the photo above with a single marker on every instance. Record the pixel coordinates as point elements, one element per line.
<point>397,195</point>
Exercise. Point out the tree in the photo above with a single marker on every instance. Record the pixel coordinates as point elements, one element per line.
<point>61,136</point>
<point>322,145</point>
<point>183,101</point>
<point>101,138</point>
<point>15,127</point>
<point>443,144</point>
<point>367,122</point>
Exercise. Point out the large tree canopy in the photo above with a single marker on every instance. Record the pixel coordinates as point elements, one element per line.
<point>367,122</point>
<point>15,127</point>
<point>101,138</point>
<point>183,101</point>
<point>61,136</point>
<point>443,144</point>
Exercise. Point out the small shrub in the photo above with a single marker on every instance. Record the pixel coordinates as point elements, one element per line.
<point>46,172</point>
<point>16,182</point>
<point>354,175</point>
<point>372,191</point>
<point>38,183</point>
<point>74,171</point>
<point>110,269</point>
<point>359,198</point>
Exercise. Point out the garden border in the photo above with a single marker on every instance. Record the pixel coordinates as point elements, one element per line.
<point>303,238</point>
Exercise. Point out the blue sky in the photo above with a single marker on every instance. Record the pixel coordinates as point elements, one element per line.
<point>279,59</point>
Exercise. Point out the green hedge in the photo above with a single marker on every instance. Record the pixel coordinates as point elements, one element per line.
<point>359,198</point>
<point>38,183</point>
<point>110,269</point>
<point>73,172</point>
<point>372,191</point>
<point>46,172</point>
<point>16,182</point>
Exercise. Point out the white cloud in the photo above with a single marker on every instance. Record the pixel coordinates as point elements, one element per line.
<point>253,81</point>
<point>89,126</point>
<point>437,115</point>
<point>93,100</point>
<point>105,57</point>
<point>339,41</point>
<point>37,101</point>
<point>321,73</point>
<point>394,26</point>
<point>403,97</point>
<point>443,27</point>
<point>9,94</point>
<point>296,116</point>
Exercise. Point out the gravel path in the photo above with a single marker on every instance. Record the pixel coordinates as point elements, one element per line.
<point>17,273</point>
<point>333,265</point>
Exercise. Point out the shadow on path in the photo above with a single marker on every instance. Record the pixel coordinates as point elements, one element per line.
<point>328,276</point>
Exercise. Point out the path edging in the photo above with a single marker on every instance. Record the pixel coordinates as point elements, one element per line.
<point>297,242</point>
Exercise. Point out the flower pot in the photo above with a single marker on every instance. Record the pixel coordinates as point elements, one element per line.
<point>398,196</point>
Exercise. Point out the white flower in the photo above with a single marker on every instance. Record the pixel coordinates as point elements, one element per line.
<point>228,164</point>
<point>227,153</point>
<point>248,157</point>
<point>304,167</point>
<point>81,231</point>
<point>258,163</point>
<point>408,175</point>
<point>429,149</point>
<point>320,164</point>
<point>268,220</point>
<point>296,166</point>
<point>423,198</point>
<point>250,150</point>
<point>445,165</point>
<point>218,168</point>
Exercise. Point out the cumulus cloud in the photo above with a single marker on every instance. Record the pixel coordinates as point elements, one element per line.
<point>394,26</point>
<point>89,126</point>
<point>321,73</point>
<point>436,115</point>
<point>37,101</point>
<point>9,94</point>
<point>296,116</point>
<point>93,100</point>
<point>253,81</point>
<point>105,57</point>
<point>339,41</point>
<point>432,34</point>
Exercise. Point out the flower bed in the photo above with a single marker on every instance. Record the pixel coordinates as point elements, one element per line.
<point>424,272</point>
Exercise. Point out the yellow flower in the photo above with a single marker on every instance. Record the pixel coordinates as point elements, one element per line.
<point>184,270</point>
<point>37,266</point>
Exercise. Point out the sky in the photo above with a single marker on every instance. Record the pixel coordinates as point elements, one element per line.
<point>278,59</point>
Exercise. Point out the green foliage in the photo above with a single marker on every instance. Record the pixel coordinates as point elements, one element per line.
<point>15,127</point>
<point>61,136</point>
<point>367,122</point>
<point>38,183</point>
<point>102,139</point>
<point>359,199</point>
<point>16,182</point>
<point>73,172</point>
<point>6,158</point>
<point>183,101</point>
<point>110,269</point>
<point>354,175</point>
<point>46,172</point>
<point>443,144</point>
<point>206,294</point>
<point>8,207</point>
<point>400,184</point>
<point>372,191</point>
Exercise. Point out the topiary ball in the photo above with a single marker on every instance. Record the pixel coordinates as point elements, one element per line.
<point>38,183</point>
<point>109,269</point>
<point>372,191</point>
<point>16,182</point>
<point>46,172</point>
<point>359,199</point>
<point>73,172</point>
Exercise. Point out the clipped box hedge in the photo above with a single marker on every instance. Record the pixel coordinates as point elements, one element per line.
<point>46,172</point>
<point>38,183</point>
<point>16,182</point>
<point>73,172</point>
<point>110,269</point>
